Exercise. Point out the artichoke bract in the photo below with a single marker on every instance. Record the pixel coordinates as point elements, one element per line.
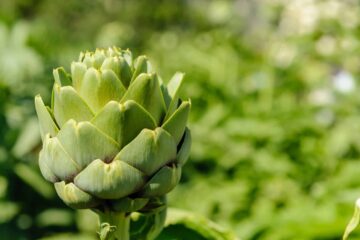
<point>115,136</point>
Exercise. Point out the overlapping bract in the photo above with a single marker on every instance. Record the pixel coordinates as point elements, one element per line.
<point>114,134</point>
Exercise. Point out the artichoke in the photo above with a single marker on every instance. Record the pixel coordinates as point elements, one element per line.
<point>114,138</point>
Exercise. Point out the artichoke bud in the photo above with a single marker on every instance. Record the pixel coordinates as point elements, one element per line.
<point>115,136</point>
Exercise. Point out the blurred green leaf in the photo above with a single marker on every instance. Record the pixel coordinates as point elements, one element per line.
<point>9,210</point>
<point>57,217</point>
<point>33,179</point>
<point>3,186</point>
<point>185,225</point>
<point>28,138</point>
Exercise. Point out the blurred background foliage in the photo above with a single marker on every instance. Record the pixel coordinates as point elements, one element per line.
<point>275,116</point>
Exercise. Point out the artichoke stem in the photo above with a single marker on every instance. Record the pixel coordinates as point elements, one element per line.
<point>114,225</point>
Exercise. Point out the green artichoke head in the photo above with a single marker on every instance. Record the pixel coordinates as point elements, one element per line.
<point>114,136</point>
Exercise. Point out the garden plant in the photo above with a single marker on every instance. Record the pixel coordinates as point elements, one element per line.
<point>115,140</point>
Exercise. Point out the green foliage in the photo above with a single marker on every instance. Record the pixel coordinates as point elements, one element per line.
<point>184,225</point>
<point>275,107</point>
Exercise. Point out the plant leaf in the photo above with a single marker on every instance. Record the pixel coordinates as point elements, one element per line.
<point>176,124</point>
<point>109,181</point>
<point>149,151</point>
<point>74,197</point>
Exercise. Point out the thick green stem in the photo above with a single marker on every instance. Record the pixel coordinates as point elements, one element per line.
<point>114,226</point>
